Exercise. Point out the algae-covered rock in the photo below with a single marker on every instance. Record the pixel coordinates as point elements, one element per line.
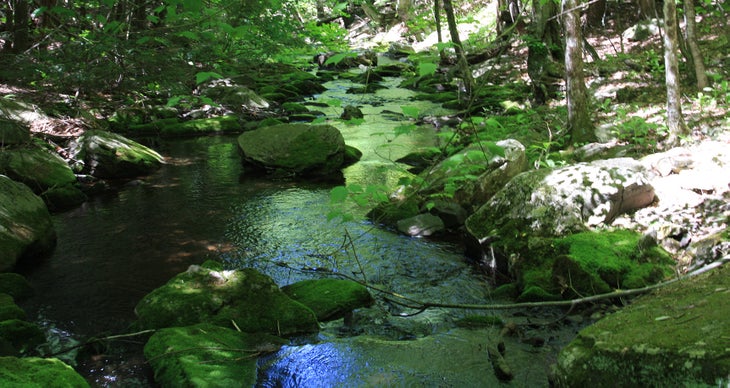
<point>246,298</point>
<point>34,372</point>
<point>10,310</point>
<point>15,285</point>
<point>46,173</point>
<point>294,149</point>
<point>674,337</point>
<point>13,132</point>
<point>109,155</point>
<point>330,298</point>
<point>23,336</point>
<point>207,356</point>
<point>26,227</point>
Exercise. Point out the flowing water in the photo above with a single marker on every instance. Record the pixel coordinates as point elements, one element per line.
<point>117,247</point>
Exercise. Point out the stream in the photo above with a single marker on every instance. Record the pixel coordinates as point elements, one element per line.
<point>119,246</point>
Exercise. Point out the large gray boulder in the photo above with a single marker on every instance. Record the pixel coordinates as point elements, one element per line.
<point>109,155</point>
<point>294,149</point>
<point>557,202</point>
<point>26,227</point>
<point>46,173</point>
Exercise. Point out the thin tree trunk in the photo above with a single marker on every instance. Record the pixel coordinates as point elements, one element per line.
<point>439,35</point>
<point>461,61</point>
<point>675,121</point>
<point>580,125</point>
<point>694,49</point>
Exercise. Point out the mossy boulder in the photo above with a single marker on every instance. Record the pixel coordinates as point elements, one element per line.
<point>26,227</point>
<point>246,298</point>
<point>206,355</point>
<point>15,285</point>
<point>109,155</point>
<point>13,132</point>
<point>330,298</point>
<point>294,149</point>
<point>674,337</point>
<point>589,263</point>
<point>34,372</point>
<point>10,310</point>
<point>46,173</point>
<point>23,336</point>
<point>551,203</point>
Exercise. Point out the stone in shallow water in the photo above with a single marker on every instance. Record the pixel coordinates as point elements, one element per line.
<point>245,297</point>
<point>329,298</point>
<point>207,356</point>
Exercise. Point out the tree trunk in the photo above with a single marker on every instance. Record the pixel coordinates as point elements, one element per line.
<point>439,35</point>
<point>675,121</point>
<point>20,28</point>
<point>694,49</point>
<point>461,61</point>
<point>543,41</point>
<point>647,9</point>
<point>580,125</point>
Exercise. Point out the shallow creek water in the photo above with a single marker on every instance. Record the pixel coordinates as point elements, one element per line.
<point>117,247</point>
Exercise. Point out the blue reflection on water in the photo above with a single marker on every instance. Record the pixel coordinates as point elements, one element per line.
<point>314,365</point>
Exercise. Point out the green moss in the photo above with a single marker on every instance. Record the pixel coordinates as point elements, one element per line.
<point>23,336</point>
<point>15,285</point>
<point>33,372</point>
<point>673,337</point>
<point>536,294</point>
<point>246,297</point>
<point>329,298</point>
<point>206,356</point>
<point>9,310</point>
<point>293,107</point>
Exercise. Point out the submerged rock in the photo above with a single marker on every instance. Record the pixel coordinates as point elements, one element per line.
<point>207,356</point>
<point>26,227</point>
<point>676,336</point>
<point>38,372</point>
<point>242,298</point>
<point>329,298</point>
<point>20,336</point>
<point>109,155</point>
<point>294,149</point>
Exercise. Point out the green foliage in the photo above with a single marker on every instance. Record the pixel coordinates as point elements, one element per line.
<point>643,135</point>
<point>327,36</point>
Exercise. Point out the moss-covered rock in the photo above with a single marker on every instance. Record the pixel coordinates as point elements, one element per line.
<point>23,336</point>
<point>45,173</point>
<point>15,285</point>
<point>676,336</point>
<point>34,372</point>
<point>330,298</point>
<point>26,227</point>
<point>109,155</point>
<point>589,263</point>
<point>294,149</point>
<point>246,298</point>
<point>207,356</point>
<point>10,310</point>
<point>13,132</point>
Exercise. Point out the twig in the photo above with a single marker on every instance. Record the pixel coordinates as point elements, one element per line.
<point>94,340</point>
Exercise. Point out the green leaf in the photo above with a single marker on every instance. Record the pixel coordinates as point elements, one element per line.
<point>172,101</point>
<point>355,188</point>
<point>338,194</point>
<point>189,34</point>
<point>425,69</point>
<point>203,76</point>
<point>495,149</point>
<point>410,111</point>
